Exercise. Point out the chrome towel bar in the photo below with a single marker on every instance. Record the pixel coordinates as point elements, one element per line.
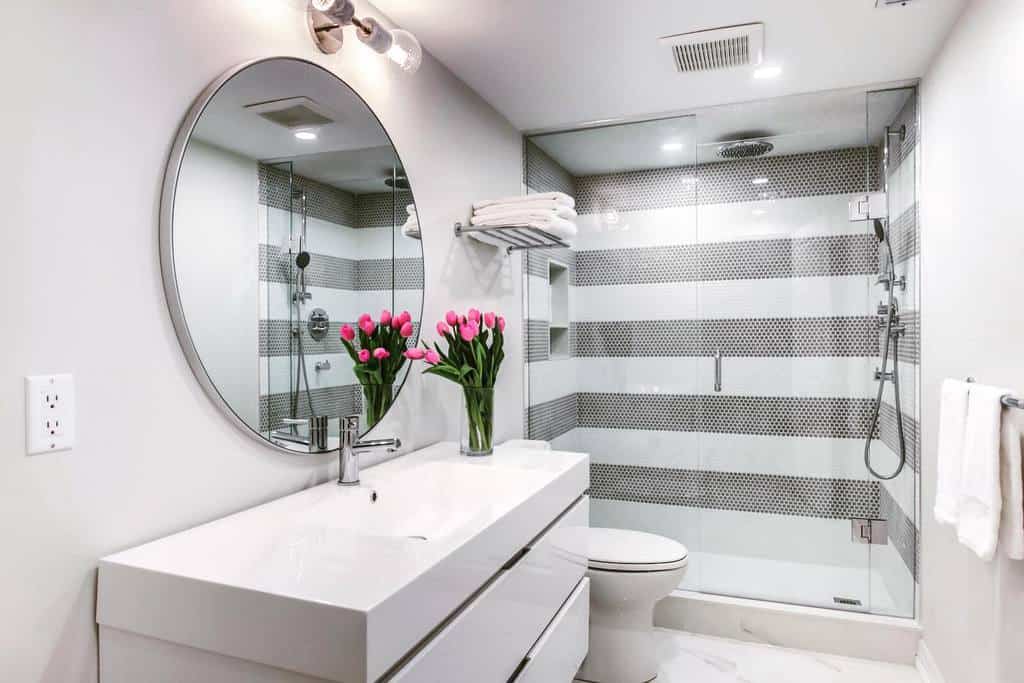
<point>1006,399</point>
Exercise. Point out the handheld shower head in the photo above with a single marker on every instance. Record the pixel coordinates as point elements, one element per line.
<point>879,230</point>
<point>302,260</point>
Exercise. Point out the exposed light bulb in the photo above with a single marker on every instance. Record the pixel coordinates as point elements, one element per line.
<point>768,72</point>
<point>405,50</point>
<point>305,135</point>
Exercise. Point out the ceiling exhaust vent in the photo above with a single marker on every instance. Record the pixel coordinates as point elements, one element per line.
<point>292,112</point>
<point>718,48</point>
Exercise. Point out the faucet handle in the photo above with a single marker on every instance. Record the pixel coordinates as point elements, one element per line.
<point>350,423</point>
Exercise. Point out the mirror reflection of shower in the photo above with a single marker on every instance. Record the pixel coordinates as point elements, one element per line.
<point>300,294</point>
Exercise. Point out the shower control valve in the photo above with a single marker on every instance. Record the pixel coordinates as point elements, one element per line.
<point>883,376</point>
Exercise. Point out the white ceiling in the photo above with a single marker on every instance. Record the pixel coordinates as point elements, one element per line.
<point>556,63</point>
<point>835,119</point>
<point>352,153</point>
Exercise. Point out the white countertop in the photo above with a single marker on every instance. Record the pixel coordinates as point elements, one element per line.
<point>338,570</point>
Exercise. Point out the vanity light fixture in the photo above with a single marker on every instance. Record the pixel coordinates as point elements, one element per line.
<point>327,18</point>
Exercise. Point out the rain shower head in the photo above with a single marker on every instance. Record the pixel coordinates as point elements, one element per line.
<point>745,149</point>
<point>302,260</point>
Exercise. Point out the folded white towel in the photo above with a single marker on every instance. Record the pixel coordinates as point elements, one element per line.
<point>560,210</point>
<point>559,197</point>
<point>516,217</point>
<point>952,423</point>
<point>1011,534</point>
<point>411,227</point>
<point>410,209</point>
<point>981,496</point>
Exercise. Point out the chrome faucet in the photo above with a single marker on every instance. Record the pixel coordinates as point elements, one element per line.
<point>316,442</point>
<point>351,447</point>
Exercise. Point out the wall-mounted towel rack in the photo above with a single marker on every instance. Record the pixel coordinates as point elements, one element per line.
<point>1006,399</point>
<point>517,237</point>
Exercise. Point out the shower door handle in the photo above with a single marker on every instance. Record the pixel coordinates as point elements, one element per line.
<point>718,369</point>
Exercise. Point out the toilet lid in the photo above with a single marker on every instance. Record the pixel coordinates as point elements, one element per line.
<point>626,550</point>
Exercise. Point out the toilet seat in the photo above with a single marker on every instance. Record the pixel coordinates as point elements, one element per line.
<point>625,550</point>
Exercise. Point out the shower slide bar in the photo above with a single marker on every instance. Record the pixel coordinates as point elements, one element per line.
<point>1007,400</point>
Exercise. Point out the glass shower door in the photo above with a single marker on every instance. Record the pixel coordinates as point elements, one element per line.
<point>787,342</point>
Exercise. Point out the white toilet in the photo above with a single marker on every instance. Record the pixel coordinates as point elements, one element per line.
<point>629,572</point>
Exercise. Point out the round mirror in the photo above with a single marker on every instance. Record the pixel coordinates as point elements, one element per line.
<point>290,252</point>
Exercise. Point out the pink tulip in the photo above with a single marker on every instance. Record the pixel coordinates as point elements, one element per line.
<point>462,320</point>
<point>406,330</point>
<point>501,323</point>
<point>443,329</point>
<point>451,318</point>
<point>364,355</point>
<point>363,318</point>
<point>381,354</point>
<point>473,315</point>
<point>490,320</point>
<point>415,354</point>
<point>396,322</point>
<point>385,317</point>
<point>469,332</point>
<point>347,333</point>
<point>405,317</point>
<point>367,326</point>
<point>432,357</point>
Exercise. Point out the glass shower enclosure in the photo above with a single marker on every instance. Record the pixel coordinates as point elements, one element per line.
<point>712,338</point>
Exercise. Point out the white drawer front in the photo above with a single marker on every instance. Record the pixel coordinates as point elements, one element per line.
<point>489,638</point>
<point>558,654</point>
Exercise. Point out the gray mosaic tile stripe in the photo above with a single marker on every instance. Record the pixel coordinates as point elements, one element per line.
<point>841,171</point>
<point>336,401</point>
<point>323,270</point>
<point>752,337</point>
<point>906,117</point>
<point>544,174</point>
<point>275,338</point>
<point>322,201</point>
<point>831,255</point>
<point>546,421</point>
<point>906,234</point>
<point>536,340</point>
<point>902,531</point>
<point>535,262</point>
<point>888,433</point>
<point>382,209</point>
<point>837,418</point>
<point>762,493</point>
<point>376,274</point>
<point>909,344</point>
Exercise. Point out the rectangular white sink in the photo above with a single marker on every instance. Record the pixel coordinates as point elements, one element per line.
<point>338,582</point>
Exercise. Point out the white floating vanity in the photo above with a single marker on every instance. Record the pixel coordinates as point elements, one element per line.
<point>436,568</point>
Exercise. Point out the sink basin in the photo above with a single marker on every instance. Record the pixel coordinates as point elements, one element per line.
<point>335,582</point>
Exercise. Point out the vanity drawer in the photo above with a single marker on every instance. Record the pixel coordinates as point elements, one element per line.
<point>557,656</point>
<point>489,638</point>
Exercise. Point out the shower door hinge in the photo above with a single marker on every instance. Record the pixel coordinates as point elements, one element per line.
<point>874,531</point>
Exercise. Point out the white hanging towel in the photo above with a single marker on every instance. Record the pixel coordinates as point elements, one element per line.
<point>980,494</point>
<point>952,424</point>
<point>1011,535</point>
<point>559,197</point>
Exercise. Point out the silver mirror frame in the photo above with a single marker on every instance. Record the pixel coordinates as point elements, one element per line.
<point>166,243</point>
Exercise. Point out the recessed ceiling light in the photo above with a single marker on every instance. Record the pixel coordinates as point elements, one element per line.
<point>672,146</point>
<point>768,72</point>
<point>760,181</point>
<point>305,135</point>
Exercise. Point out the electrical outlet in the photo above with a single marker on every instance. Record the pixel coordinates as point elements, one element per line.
<point>49,413</point>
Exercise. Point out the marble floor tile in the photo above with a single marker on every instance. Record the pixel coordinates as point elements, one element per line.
<point>688,658</point>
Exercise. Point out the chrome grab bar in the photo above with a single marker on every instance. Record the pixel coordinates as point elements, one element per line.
<point>718,369</point>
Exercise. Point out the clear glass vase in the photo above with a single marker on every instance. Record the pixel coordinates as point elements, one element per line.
<point>476,436</point>
<point>377,399</point>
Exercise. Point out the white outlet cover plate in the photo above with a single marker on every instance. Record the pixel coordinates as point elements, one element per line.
<point>49,413</point>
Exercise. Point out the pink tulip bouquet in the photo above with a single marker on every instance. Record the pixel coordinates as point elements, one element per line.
<point>475,351</point>
<point>378,358</point>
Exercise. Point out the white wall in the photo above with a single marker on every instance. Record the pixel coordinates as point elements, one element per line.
<point>91,112</point>
<point>217,260</point>
<point>972,315</point>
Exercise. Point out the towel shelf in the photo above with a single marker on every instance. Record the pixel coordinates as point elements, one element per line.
<point>1006,399</point>
<point>517,237</point>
